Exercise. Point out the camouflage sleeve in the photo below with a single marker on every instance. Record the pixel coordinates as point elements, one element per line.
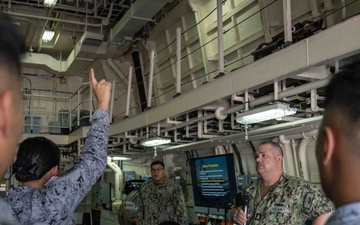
<point>73,186</point>
<point>5,215</point>
<point>315,202</point>
<point>140,215</point>
<point>180,206</point>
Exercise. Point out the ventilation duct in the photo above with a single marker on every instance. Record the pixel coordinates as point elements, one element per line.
<point>90,47</point>
<point>94,39</point>
<point>141,12</point>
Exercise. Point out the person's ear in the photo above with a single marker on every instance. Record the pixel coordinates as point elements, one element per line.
<point>329,145</point>
<point>55,170</point>
<point>6,114</point>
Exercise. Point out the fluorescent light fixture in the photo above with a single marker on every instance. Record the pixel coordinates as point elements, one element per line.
<point>50,3</point>
<point>48,35</point>
<point>269,112</point>
<point>120,158</point>
<point>155,141</point>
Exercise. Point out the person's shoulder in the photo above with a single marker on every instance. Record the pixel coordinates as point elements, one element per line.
<point>146,183</point>
<point>5,215</point>
<point>19,192</point>
<point>294,179</point>
<point>299,182</point>
<point>171,184</point>
<point>253,184</point>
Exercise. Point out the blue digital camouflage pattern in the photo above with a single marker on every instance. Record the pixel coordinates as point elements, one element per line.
<point>348,214</point>
<point>290,201</point>
<point>159,203</point>
<point>56,203</point>
<point>5,215</point>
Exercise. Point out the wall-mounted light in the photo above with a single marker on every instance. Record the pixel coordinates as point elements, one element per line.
<point>48,35</point>
<point>269,112</point>
<point>120,158</point>
<point>155,141</point>
<point>50,3</point>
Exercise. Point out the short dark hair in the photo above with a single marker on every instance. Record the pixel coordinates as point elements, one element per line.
<point>274,145</point>
<point>36,156</point>
<point>12,43</point>
<point>343,92</point>
<point>157,162</point>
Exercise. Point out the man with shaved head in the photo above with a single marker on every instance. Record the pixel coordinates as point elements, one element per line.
<point>12,46</point>
<point>277,198</point>
<point>338,145</point>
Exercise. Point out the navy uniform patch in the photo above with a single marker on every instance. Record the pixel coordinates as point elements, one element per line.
<point>308,200</point>
<point>280,207</point>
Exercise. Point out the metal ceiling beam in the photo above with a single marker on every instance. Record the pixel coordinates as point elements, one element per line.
<point>330,45</point>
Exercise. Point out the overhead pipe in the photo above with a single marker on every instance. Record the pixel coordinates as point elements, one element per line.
<point>328,11</point>
<point>313,100</point>
<point>118,178</point>
<point>220,32</point>
<point>297,173</point>
<point>315,12</point>
<point>55,19</point>
<point>191,121</point>
<point>58,6</point>
<point>122,5</point>
<point>106,21</point>
<point>178,62</point>
<point>54,86</point>
<point>111,109</point>
<point>302,152</point>
<point>246,99</point>
<point>128,93</point>
<point>283,94</point>
<point>343,5</point>
<point>276,90</point>
<point>306,137</point>
<point>261,133</point>
<point>78,108</point>
<point>237,153</point>
<point>285,155</point>
<point>302,157</point>
<point>259,101</point>
<point>187,130</point>
<point>287,22</point>
<point>151,78</point>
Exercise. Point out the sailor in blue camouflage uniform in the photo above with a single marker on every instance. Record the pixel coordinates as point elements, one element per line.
<point>277,198</point>
<point>338,145</point>
<point>35,203</point>
<point>5,215</point>
<point>160,199</point>
<point>12,47</point>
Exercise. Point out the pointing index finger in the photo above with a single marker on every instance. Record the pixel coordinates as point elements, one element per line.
<point>92,77</point>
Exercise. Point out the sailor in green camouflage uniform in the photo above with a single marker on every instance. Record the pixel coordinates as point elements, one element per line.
<point>161,199</point>
<point>290,201</point>
<point>286,200</point>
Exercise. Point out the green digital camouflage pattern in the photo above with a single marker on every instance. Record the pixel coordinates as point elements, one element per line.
<point>164,202</point>
<point>290,201</point>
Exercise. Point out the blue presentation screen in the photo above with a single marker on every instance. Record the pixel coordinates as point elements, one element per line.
<point>214,181</point>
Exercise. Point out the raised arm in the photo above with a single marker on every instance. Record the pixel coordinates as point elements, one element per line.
<point>79,180</point>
